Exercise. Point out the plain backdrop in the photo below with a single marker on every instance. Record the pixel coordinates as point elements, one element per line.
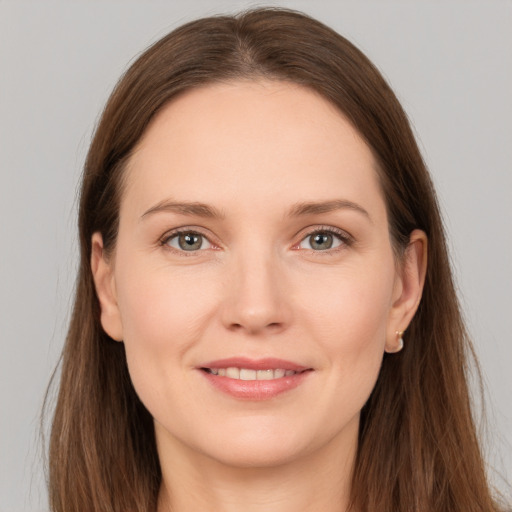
<point>449,62</point>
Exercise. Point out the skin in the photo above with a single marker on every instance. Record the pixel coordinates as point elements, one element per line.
<point>256,288</point>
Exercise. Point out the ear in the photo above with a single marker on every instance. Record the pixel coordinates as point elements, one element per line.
<point>408,289</point>
<point>103,275</point>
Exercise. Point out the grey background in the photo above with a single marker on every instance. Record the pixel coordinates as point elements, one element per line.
<point>450,64</point>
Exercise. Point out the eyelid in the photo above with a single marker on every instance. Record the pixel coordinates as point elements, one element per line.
<point>342,235</point>
<point>346,239</point>
<point>164,239</point>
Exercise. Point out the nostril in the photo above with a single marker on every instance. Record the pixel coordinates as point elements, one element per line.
<point>252,328</point>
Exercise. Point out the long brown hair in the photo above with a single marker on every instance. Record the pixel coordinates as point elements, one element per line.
<point>418,450</point>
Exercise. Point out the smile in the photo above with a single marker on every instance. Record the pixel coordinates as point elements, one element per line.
<point>251,374</point>
<point>248,379</point>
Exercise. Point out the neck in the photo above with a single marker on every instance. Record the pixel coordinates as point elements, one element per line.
<point>192,481</point>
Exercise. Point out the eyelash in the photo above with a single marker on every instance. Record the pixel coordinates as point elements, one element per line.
<point>175,233</point>
<point>345,239</point>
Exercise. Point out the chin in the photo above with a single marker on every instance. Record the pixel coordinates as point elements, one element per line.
<point>263,447</point>
<point>257,455</point>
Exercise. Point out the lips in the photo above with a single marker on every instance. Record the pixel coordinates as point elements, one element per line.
<point>250,374</point>
<point>250,379</point>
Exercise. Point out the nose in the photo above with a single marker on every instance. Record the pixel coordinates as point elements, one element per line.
<point>257,296</point>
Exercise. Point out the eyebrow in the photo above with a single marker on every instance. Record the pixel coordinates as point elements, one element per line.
<point>297,210</point>
<point>311,208</point>
<point>185,208</point>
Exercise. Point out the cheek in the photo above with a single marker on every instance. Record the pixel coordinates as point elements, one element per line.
<point>163,313</point>
<point>349,324</point>
<point>347,316</point>
<point>349,309</point>
<point>159,305</point>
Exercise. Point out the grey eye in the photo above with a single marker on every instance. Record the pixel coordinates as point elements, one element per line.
<point>188,241</point>
<point>321,241</point>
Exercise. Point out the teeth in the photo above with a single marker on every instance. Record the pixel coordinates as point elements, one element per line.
<point>265,374</point>
<point>233,373</point>
<point>248,374</point>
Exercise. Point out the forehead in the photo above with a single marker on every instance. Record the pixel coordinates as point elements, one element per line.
<point>250,142</point>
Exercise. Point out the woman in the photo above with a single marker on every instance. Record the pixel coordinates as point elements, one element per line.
<point>258,231</point>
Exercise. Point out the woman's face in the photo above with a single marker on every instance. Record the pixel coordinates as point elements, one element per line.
<point>253,282</point>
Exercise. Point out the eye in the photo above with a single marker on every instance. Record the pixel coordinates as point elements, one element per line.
<point>189,241</point>
<point>324,239</point>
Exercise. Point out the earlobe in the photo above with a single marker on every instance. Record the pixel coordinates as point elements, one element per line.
<point>410,290</point>
<point>103,276</point>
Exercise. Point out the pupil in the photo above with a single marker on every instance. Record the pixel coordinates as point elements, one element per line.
<point>322,241</point>
<point>190,242</point>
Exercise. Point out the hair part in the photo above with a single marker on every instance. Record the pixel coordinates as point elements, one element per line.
<point>418,448</point>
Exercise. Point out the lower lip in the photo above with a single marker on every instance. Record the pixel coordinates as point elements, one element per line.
<point>256,389</point>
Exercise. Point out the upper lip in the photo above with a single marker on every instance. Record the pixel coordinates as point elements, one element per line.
<point>266,363</point>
